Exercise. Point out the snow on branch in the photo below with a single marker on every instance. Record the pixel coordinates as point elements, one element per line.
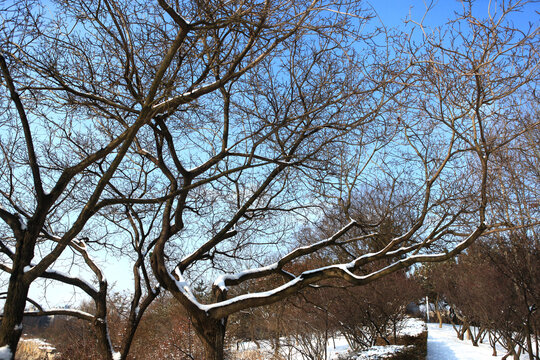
<point>68,312</point>
<point>344,271</point>
<point>78,245</point>
<point>225,280</point>
<point>185,289</point>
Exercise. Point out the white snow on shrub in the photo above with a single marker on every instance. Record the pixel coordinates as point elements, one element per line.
<point>374,353</point>
<point>412,327</point>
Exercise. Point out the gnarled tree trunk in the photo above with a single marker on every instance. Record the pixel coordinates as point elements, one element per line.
<point>11,328</point>
<point>212,334</point>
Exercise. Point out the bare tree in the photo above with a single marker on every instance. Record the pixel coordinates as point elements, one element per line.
<point>227,126</point>
<point>109,72</point>
<point>434,163</point>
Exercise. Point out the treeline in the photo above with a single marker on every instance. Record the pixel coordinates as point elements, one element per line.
<point>491,293</point>
<point>305,324</point>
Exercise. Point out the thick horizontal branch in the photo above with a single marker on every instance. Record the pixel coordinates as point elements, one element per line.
<point>66,312</point>
<point>223,281</point>
<point>344,271</point>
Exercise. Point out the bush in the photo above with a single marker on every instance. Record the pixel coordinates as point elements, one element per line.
<point>416,347</point>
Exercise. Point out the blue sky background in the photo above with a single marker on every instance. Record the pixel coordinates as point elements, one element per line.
<point>394,12</point>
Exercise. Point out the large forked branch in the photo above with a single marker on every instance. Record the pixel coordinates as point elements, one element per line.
<point>89,209</point>
<point>346,271</point>
<point>223,281</point>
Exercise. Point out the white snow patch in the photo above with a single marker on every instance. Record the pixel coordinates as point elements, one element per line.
<point>253,295</point>
<point>41,344</point>
<point>145,152</point>
<point>376,352</point>
<point>116,355</point>
<point>22,220</point>
<point>222,279</point>
<point>444,345</point>
<point>68,276</point>
<point>412,327</point>
<point>82,313</point>
<point>337,349</point>
<point>184,287</point>
<point>264,349</point>
<point>5,353</point>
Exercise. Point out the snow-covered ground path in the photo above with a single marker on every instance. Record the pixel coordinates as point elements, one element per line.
<point>444,345</point>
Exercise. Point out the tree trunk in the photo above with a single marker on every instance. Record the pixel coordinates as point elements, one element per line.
<point>101,325</point>
<point>212,335</point>
<point>438,311</point>
<point>104,342</point>
<point>517,354</point>
<point>11,328</point>
<point>493,342</point>
<point>529,330</point>
<point>135,317</point>
<point>133,323</point>
<point>536,336</point>
<point>475,338</point>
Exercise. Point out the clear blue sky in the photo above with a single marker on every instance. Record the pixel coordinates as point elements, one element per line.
<point>393,12</point>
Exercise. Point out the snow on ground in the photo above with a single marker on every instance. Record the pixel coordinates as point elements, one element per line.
<point>412,327</point>
<point>376,352</point>
<point>338,348</point>
<point>40,343</point>
<point>444,345</point>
